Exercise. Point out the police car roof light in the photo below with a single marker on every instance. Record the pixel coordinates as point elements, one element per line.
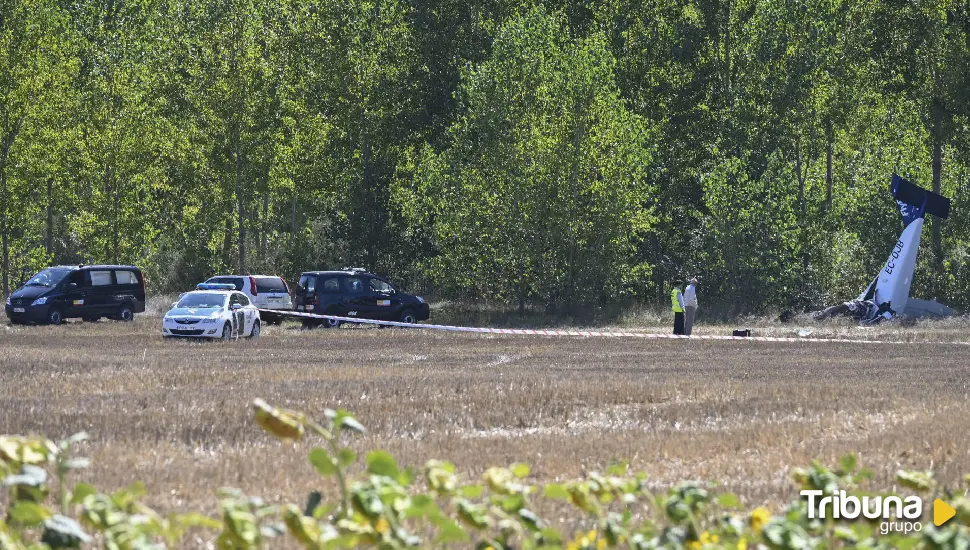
<point>215,286</point>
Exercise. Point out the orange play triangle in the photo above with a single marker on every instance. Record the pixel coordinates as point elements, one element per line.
<point>942,512</point>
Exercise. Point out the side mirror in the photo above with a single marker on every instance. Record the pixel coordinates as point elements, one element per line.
<point>236,307</point>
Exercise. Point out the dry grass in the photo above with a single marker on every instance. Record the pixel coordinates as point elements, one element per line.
<point>175,414</point>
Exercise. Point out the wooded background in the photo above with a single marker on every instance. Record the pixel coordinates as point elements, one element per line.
<point>559,154</point>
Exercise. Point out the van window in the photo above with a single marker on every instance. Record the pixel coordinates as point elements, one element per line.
<point>354,285</point>
<point>100,278</point>
<point>126,277</point>
<point>270,285</point>
<point>79,278</point>
<point>331,285</point>
<point>308,283</point>
<point>378,285</point>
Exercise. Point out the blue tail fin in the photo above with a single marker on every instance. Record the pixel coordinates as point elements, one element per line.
<point>914,201</point>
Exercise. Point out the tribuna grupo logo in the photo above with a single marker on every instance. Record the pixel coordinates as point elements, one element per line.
<point>898,514</point>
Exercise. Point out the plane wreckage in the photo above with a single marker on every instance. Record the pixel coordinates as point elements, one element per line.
<point>887,296</point>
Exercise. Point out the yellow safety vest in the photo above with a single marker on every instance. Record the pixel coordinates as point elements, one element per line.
<point>674,302</point>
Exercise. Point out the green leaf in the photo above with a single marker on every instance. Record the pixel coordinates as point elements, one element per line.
<point>617,469</point>
<point>919,481</point>
<point>556,491</point>
<point>728,500</point>
<point>323,462</point>
<point>80,492</point>
<point>471,491</point>
<point>346,456</point>
<point>197,520</point>
<point>29,514</point>
<point>382,463</point>
<point>406,477</point>
<point>848,463</point>
<point>449,531</point>
<point>530,519</point>
<point>345,421</point>
<point>520,470</point>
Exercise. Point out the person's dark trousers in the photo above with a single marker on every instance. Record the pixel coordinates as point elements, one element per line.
<point>678,322</point>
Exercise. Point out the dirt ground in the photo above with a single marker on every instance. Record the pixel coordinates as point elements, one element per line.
<point>176,415</point>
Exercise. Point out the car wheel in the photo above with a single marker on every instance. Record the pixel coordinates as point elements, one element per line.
<point>54,316</point>
<point>331,323</point>
<point>126,314</point>
<point>408,316</point>
<point>254,333</point>
<point>226,331</point>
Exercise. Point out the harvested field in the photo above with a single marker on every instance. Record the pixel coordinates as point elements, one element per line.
<point>176,414</point>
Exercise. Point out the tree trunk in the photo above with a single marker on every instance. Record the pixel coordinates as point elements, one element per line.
<point>829,175</point>
<point>241,215</point>
<point>5,146</point>
<point>801,178</point>
<point>50,218</point>
<point>114,217</point>
<point>727,52</point>
<point>227,245</point>
<point>937,173</point>
<point>292,219</point>
<point>265,226</point>
<point>4,230</point>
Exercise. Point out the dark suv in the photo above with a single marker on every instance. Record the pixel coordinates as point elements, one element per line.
<point>86,291</point>
<point>354,292</point>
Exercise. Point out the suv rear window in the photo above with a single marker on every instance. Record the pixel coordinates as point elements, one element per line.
<point>126,277</point>
<point>236,281</point>
<point>270,285</point>
<point>308,283</point>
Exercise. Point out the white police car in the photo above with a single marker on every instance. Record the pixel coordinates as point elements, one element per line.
<point>212,311</point>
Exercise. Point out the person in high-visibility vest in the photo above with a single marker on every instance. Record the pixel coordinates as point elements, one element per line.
<point>677,304</point>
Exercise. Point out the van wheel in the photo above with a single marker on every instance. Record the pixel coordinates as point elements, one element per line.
<point>331,323</point>
<point>54,316</point>
<point>254,333</point>
<point>126,314</point>
<point>407,316</point>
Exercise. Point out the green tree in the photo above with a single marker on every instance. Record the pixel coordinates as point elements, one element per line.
<point>36,64</point>
<point>541,195</point>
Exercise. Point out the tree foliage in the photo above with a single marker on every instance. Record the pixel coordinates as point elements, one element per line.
<point>554,154</point>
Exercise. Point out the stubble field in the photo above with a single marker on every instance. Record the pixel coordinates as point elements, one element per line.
<point>176,415</point>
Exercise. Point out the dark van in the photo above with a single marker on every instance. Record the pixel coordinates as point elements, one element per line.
<point>353,292</point>
<point>86,291</point>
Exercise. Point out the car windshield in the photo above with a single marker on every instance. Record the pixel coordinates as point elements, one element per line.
<point>48,277</point>
<point>203,300</point>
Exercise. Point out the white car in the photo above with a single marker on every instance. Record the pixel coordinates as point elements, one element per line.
<point>213,311</point>
<point>267,292</point>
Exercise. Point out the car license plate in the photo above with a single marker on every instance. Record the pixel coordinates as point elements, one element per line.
<point>182,327</point>
<point>18,310</point>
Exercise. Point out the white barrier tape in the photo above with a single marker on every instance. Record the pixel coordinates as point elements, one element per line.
<point>594,333</point>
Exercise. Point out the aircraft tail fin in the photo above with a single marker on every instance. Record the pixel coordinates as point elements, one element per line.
<point>914,201</point>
